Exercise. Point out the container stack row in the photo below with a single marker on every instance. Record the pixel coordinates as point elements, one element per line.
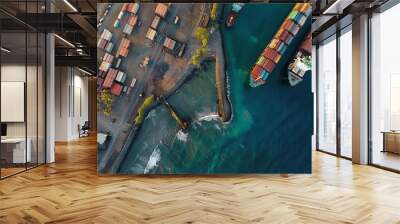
<point>123,48</point>
<point>272,54</point>
<point>105,40</point>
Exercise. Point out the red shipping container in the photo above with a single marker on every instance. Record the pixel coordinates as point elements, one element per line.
<point>282,27</point>
<point>256,71</point>
<point>289,24</point>
<point>112,73</point>
<point>285,24</point>
<point>283,36</point>
<point>116,89</point>
<point>268,53</point>
<point>124,6</point>
<point>265,64</point>
<point>129,7</point>
<point>269,66</point>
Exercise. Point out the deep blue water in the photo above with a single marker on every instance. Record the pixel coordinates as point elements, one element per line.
<point>271,127</point>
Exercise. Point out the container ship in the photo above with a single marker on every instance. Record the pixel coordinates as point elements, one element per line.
<point>236,7</point>
<point>272,54</point>
<point>301,62</point>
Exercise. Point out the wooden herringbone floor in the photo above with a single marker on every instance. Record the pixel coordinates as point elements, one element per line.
<point>70,191</point>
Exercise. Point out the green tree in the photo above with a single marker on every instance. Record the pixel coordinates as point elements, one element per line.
<point>198,54</point>
<point>202,35</point>
<point>105,101</point>
<point>214,11</point>
<point>142,109</point>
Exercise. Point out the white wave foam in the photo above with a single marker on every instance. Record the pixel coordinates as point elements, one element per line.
<point>153,160</point>
<point>208,117</point>
<point>228,95</point>
<point>182,136</point>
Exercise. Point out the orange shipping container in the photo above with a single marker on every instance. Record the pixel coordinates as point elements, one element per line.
<point>132,20</point>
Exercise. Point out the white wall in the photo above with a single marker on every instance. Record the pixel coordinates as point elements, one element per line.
<point>33,127</point>
<point>71,102</point>
<point>61,104</point>
<point>16,73</point>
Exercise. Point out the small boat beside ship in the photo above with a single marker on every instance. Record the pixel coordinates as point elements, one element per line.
<point>236,7</point>
<point>272,54</point>
<point>301,62</point>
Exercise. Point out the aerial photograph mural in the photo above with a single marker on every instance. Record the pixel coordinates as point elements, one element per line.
<point>204,88</point>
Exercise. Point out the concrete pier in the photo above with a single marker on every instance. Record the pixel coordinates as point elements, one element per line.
<point>223,104</point>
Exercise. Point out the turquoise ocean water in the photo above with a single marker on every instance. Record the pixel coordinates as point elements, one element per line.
<point>271,127</point>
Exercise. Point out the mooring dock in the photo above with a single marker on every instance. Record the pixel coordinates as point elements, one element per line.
<point>182,123</point>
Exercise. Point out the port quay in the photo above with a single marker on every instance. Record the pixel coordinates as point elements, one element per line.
<point>148,52</point>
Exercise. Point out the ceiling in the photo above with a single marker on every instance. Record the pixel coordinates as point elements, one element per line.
<point>72,20</point>
<point>332,15</point>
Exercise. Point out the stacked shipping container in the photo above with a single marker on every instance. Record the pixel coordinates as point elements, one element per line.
<point>106,63</point>
<point>130,24</point>
<point>132,7</point>
<point>169,43</point>
<point>105,39</point>
<point>111,75</point>
<point>123,48</point>
<point>272,54</point>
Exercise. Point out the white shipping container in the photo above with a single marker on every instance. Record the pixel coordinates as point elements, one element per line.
<point>131,86</point>
<point>99,42</point>
<point>118,63</point>
<point>133,82</point>
<point>128,29</point>
<point>105,66</point>
<point>135,8</point>
<point>109,47</point>
<point>106,35</point>
<point>120,15</point>
<point>123,78</point>
<point>119,76</point>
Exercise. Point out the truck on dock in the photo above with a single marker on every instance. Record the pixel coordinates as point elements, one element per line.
<point>131,86</point>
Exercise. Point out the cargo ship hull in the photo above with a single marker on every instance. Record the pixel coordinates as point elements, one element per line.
<point>272,54</point>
